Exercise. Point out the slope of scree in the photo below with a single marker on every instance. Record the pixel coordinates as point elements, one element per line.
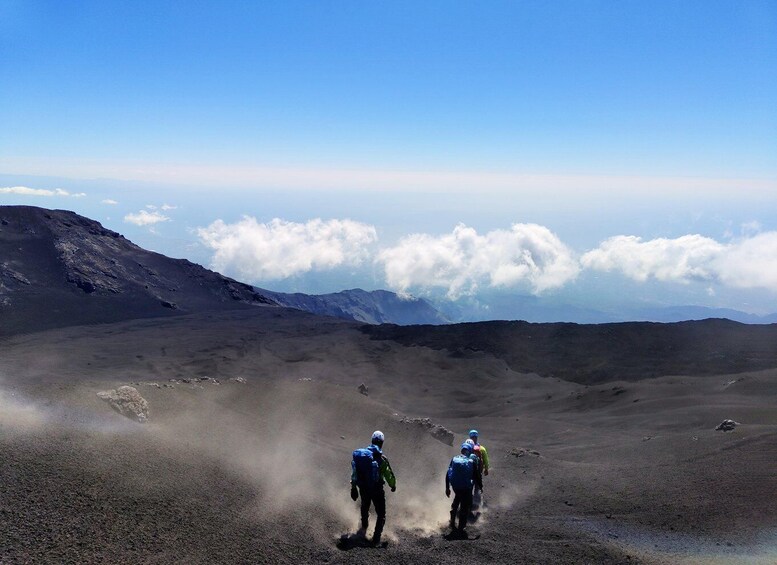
<point>60,269</point>
<point>589,354</point>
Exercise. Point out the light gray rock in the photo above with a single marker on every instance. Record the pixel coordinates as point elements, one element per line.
<point>126,400</point>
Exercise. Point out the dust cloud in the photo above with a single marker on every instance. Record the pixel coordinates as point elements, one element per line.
<point>18,415</point>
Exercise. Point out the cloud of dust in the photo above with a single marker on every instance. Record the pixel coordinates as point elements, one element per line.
<point>18,415</point>
<point>288,446</point>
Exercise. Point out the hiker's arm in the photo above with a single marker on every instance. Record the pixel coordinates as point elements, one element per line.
<point>353,473</point>
<point>388,474</point>
<point>484,454</point>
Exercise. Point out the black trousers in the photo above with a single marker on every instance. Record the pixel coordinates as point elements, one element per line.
<point>376,496</point>
<point>462,504</point>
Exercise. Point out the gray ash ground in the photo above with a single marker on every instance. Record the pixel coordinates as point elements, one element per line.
<point>257,471</point>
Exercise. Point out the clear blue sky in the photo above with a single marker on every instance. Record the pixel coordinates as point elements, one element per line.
<point>593,119</point>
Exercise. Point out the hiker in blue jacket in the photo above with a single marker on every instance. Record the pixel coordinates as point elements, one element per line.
<point>462,475</point>
<point>370,470</point>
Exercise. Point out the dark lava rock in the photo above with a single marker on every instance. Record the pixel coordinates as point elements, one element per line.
<point>727,425</point>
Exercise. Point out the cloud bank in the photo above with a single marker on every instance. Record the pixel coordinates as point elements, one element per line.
<point>463,261</point>
<point>748,262</point>
<point>279,249</point>
<point>27,191</point>
<point>528,257</point>
<point>145,218</point>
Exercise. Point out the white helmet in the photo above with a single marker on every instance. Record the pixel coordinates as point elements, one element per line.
<point>469,441</point>
<point>377,435</point>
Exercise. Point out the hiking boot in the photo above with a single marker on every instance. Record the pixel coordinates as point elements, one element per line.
<point>376,539</point>
<point>361,533</point>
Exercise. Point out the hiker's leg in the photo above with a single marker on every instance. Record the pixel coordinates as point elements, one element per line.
<point>466,506</point>
<point>379,499</point>
<point>366,500</point>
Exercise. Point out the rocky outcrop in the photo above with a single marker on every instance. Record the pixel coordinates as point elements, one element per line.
<point>126,400</point>
<point>437,431</point>
<point>727,426</point>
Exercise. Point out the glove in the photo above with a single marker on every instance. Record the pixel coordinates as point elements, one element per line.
<point>448,492</point>
<point>394,489</point>
<point>354,492</point>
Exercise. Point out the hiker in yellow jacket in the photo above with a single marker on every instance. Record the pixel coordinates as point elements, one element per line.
<point>473,435</point>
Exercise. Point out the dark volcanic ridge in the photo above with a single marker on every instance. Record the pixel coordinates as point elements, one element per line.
<point>60,269</point>
<point>590,354</point>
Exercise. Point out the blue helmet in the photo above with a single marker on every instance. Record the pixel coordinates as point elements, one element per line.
<point>473,434</point>
<point>466,447</point>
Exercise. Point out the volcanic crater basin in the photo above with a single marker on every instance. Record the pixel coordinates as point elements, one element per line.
<point>255,469</point>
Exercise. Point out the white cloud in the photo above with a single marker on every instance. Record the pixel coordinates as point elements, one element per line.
<point>683,259</point>
<point>150,207</point>
<point>27,191</point>
<point>749,262</point>
<point>168,207</point>
<point>145,218</point>
<point>109,201</point>
<point>462,261</point>
<point>255,251</point>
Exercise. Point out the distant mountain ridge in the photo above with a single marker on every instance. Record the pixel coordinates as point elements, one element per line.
<point>370,307</point>
<point>60,269</point>
<point>539,310</point>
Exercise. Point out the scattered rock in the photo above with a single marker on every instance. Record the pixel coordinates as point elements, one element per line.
<point>168,304</point>
<point>729,383</point>
<point>647,438</point>
<point>363,389</point>
<point>437,431</point>
<point>211,380</point>
<point>240,380</point>
<point>306,379</point>
<point>126,400</point>
<point>727,425</point>
<point>523,452</point>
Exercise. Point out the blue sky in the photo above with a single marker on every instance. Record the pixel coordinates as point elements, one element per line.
<point>590,120</point>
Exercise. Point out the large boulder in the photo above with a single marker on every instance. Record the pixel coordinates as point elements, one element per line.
<point>126,400</point>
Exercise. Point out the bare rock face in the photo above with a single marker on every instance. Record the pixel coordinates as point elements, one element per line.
<point>126,400</point>
<point>727,425</point>
<point>438,432</point>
